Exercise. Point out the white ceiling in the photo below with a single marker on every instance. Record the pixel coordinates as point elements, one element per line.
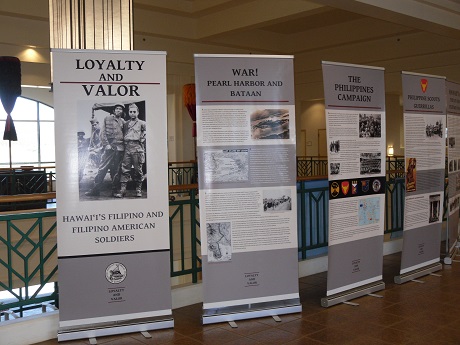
<point>414,35</point>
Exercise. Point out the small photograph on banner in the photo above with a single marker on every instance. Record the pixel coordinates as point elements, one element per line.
<point>453,204</point>
<point>111,150</point>
<point>230,125</point>
<point>435,208</point>
<point>370,125</point>
<point>270,124</point>
<point>370,163</point>
<point>277,200</point>
<point>334,147</point>
<point>335,168</point>
<point>411,174</point>
<point>434,128</point>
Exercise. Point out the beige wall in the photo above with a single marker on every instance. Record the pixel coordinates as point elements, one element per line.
<point>312,119</point>
<point>395,123</point>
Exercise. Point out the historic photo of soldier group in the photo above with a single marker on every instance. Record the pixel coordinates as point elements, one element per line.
<point>434,129</point>
<point>111,155</point>
<point>370,163</point>
<point>277,200</point>
<point>370,126</point>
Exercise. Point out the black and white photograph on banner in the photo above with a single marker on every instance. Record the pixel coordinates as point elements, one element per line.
<point>451,142</point>
<point>453,204</point>
<point>411,174</point>
<point>219,241</point>
<point>335,168</point>
<point>370,163</point>
<point>334,146</point>
<point>111,150</point>
<point>435,207</point>
<point>434,129</point>
<point>277,200</point>
<point>270,124</point>
<point>370,126</point>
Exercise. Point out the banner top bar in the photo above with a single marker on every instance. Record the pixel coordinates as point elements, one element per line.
<point>244,56</point>
<point>101,51</point>
<point>423,75</point>
<point>351,65</point>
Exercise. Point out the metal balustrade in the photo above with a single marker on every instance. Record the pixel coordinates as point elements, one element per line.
<point>28,250</point>
<point>182,173</point>
<point>311,166</point>
<point>313,213</point>
<point>184,233</point>
<point>27,258</point>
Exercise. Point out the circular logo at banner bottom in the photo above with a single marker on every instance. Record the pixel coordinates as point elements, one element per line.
<point>115,273</point>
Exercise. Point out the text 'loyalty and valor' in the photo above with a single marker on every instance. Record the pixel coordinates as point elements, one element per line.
<point>113,73</point>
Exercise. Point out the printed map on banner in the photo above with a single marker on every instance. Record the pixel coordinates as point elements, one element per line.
<point>219,241</point>
<point>226,166</point>
<point>369,211</point>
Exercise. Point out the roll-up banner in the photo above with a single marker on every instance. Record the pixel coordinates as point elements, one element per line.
<point>246,158</point>
<point>355,126</point>
<point>112,192</point>
<point>453,154</point>
<point>424,107</point>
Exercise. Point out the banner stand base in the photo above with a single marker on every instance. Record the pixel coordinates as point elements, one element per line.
<point>114,328</point>
<point>449,257</point>
<point>233,315</point>
<point>341,297</point>
<point>403,278</point>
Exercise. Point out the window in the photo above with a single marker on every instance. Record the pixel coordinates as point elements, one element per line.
<point>34,123</point>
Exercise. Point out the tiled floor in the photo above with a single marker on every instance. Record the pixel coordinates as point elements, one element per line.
<point>412,313</point>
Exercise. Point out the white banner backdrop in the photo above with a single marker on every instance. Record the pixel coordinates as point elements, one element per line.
<point>453,159</point>
<point>112,192</point>
<point>246,157</point>
<point>424,107</point>
<point>355,124</point>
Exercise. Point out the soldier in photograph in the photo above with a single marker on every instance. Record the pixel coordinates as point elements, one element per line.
<point>95,144</point>
<point>113,148</point>
<point>134,131</point>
